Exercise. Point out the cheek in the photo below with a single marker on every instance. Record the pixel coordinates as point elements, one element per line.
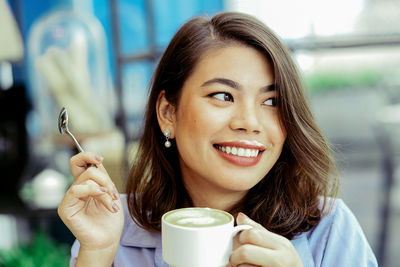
<point>192,133</point>
<point>277,131</point>
<point>189,119</point>
<point>282,133</point>
<point>190,122</point>
<point>198,117</point>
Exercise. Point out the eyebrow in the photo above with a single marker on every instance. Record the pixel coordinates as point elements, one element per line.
<point>236,85</point>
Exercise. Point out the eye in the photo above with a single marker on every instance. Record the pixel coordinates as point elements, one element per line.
<point>222,96</point>
<point>270,102</point>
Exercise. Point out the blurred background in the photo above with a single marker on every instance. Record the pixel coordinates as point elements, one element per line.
<point>96,58</point>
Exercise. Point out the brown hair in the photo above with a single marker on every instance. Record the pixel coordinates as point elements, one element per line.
<point>288,199</point>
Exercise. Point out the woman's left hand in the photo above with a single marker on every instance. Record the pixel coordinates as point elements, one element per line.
<point>259,247</point>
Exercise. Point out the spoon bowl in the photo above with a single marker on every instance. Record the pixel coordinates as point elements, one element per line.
<point>63,120</point>
<point>63,127</point>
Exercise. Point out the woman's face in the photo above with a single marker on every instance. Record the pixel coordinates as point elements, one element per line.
<point>227,127</point>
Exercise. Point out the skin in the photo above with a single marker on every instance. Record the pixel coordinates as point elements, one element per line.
<point>91,209</point>
<point>259,247</point>
<point>237,109</point>
<point>214,112</point>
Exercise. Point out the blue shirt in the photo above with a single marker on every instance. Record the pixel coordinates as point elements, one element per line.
<point>337,241</point>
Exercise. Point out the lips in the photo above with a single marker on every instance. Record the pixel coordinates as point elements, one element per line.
<point>243,153</point>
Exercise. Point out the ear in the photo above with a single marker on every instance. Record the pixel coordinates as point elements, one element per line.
<point>165,114</point>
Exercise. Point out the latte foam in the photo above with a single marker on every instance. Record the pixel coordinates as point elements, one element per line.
<point>197,217</point>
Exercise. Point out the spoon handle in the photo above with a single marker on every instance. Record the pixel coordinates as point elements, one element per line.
<point>78,146</point>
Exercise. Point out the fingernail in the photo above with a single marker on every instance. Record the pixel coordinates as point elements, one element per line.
<point>99,158</point>
<point>115,207</point>
<point>103,189</point>
<point>115,194</point>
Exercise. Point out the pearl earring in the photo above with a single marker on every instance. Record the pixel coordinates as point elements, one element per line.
<point>167,134</point>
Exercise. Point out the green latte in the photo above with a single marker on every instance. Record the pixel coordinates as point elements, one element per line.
<point>197,217</point>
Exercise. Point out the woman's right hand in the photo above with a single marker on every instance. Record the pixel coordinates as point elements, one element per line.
<point>91,208</point>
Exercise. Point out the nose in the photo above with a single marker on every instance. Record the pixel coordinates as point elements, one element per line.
<point>246,119</point>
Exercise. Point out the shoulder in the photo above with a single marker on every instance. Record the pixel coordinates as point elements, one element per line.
<point>336,239</point>
<point>335,215</point>
<point>133,235</point>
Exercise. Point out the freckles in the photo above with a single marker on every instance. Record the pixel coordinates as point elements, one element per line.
<point>199,118</point>
<point>194,123</point>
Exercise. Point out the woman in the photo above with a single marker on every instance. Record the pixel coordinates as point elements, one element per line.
<point>228,127</point>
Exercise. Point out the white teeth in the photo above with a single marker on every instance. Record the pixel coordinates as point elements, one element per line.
<point>241,152</point>
<point>234,151</point>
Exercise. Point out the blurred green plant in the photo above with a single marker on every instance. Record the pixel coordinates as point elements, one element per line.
<point>43,252</point>
<point>327,81</point>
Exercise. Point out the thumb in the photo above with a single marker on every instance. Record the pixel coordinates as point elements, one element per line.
<point>244,219</point>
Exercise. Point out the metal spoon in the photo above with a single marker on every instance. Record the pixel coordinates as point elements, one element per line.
<point>63,127</point>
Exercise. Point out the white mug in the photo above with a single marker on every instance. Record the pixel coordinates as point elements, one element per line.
<point>198,237</point>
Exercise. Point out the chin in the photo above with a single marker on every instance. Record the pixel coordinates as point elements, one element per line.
<point>237,186</point>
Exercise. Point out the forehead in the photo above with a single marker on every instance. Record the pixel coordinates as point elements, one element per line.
<point>238,62</point>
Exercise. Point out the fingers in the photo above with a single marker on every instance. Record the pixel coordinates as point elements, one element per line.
<point>91,188</point>
<point>259,236</point>
<point>263,238</point>
<point>79,162</point>
<point>260,247</point>
<point>92,179</point>
<point>243,219</point>
<point>251,255</point>
<point>77,192</point>
<point>100,178</point>
<point>86,192</point>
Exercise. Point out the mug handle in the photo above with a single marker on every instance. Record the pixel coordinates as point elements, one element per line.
<point>239,228</point>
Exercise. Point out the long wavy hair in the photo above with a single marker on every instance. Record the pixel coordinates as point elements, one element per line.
<point>292,197</point>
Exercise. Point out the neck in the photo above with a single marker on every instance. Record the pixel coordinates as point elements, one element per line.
<point>212,197</point>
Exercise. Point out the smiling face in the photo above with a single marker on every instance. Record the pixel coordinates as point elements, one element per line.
<point>226,126</point>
